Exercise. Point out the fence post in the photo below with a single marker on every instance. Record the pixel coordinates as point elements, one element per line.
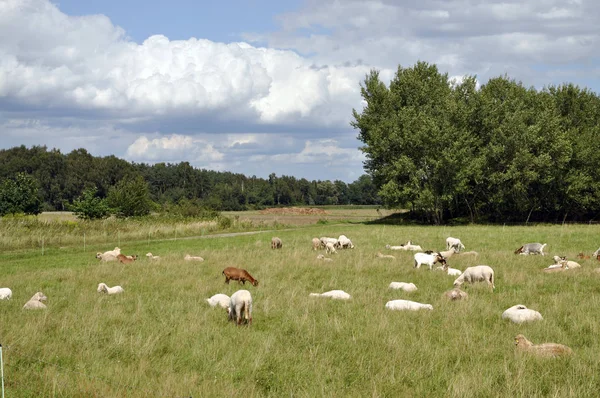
<point>2,370</point>
<point>84,241</point>
<point>42,246</point>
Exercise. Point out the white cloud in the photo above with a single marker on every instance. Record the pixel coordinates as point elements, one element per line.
<point>173,148</point>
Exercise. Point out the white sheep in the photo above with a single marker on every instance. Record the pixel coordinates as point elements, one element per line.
<point>519,314</point>
<point>344,243</point>
<point>106,257</point>
<point>560,263</point>
<point>450,271</point>
<point>455,243</point>
<point>35,302</point>
<point>401,305</point>
<point>334,294</point>
<point>152,257</point>
<point>330,248</point>
<point>407,287</point>
<point>531,248</point>
<point>324,240</point>
<point>455,295</point>
<point>322,257</point>
<point>448,253</point>
<point>102,287</point>
<point>219,299</point>
<point>408,246</point>
<point>381,255</point>
<point>596,252</point>
<point>5,293</point>
<point>479,273</point>
<point>317,244</point>
<point>240,307</point>
<point>192,258</point>
<point>429,259</point>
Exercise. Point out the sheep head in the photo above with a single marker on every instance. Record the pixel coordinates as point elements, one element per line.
<point>522,342</point>
<point>519,250</point>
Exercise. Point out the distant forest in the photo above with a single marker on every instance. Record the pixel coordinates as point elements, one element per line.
<point>62,178</point>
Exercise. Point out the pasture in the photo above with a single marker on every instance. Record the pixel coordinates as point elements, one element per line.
<point>160,337</point>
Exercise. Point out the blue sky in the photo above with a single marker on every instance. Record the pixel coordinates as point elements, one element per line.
<point>257,86</point>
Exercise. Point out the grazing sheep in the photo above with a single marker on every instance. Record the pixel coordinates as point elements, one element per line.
<point>330,248</point>
<point>324,240</point>
<point>545,350</point>
<point>519,314</point>
<point>344,243</point>
<point>152,257</point>
<point>401,305</point>
<point>238,274</point>
<point>407,287</point>
<point>193,258</point>
<point>531,248</point>
<point>479,273</point>
<point>455,295</point>
<point>317,244</point>
<point>380,255</point>
<point>454,243</point>
<point>126,259</point>
<point>276,243</point>
<point>448,253</point>
<point>35,302</point>
<point>334,294</point>
<point>429,259</point>
<point>219,299</point>
<point>102,288</point>
<point>322,257</point>
<point>240,303</point>
<point>5,293</point>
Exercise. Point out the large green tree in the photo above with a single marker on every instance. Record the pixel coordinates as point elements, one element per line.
<point>20,195</point>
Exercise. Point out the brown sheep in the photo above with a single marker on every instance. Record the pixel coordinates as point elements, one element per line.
<point>276,243</point>
<point>316,244</point>
<point>455,295</point>
<point>238,274</point>
<point>546,350</point>
<point>126,259</point>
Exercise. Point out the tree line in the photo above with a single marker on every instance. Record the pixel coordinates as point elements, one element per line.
<point>63,180</point>
<point>500,152</point>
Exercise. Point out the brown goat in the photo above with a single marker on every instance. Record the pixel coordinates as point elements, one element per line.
<point>126,259</point>
<point>238,274</point>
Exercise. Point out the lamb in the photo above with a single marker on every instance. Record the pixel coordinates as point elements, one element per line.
<point>519,314</point>
<point>324,240</point>
<point>344,243</point>
<point>152,257</point>
<point>5,293</point>
<point>126,259</point>
<point>531,248</point>
<point>450,271</point>
<point>103,288</point>
<point>219,299</point>
<point>334,294</point>
<point>479,273</point>
<point>330,248</point>
<point>238,274</point>
<point>455,295</point>
<point>429,259</point>
<point>448,253</point>
<point>401,305</point>
<point>583,256</point>
<point>240,303</point>
<point>317,244</point>
<point>380,255</point>
<point>545,350</point>
<point>193,258</point>
<point>454,243</point>
<point>407,287</point>
<point>35,302</point>
<point>562,264</point>
<point>276,243</point>
<point>408,246</point>
<point>322,257</point>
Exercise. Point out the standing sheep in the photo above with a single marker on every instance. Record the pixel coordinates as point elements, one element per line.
<point>5,293</point>
<point>344,243</point>
<point>240,305</point>
<point>317,244</point>
<point>454,243</point>
<point>220,300</point>
<point>276,243</point>
<point>330,248</point>
<point>531,248</point>
<point>429,259</point>
<point>479,273</point>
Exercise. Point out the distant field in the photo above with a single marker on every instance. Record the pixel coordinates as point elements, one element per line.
<point>160,338</point>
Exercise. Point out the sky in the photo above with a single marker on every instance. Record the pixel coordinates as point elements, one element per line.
<point>258,86</point>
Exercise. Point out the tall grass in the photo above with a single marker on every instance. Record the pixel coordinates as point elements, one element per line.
<point>160,338</point>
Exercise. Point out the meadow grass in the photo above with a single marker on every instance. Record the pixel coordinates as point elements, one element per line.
<point>160,338</point>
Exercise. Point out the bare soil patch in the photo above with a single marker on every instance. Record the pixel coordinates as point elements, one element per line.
<point>294,211</point>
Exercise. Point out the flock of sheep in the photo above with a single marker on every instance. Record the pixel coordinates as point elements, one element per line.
<point>239,305</point>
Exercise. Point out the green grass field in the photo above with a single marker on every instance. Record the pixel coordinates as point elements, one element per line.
<point>160,338</point>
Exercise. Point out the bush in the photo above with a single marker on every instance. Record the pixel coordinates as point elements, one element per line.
<point>90,207</point>
<point>130,197</point>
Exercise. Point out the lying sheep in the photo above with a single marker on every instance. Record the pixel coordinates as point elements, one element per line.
<point>193,258</point>
<point>330,248</point>
<point>240,305</point>
<point>106,257</point>
<point>449,271</point>
<point>454,243</point>
<point>276,243</point>
<point>402,305</point>
<point>126,259</point>
<point>407,287</point>
<point>519,314</point>
<point>317,244</point>
<point>5,293</point>
<point>240,275</point>
<point>545,350</point>
<point>152,257</point>
<point>380,255</point>
<point>35,302</point>
<point>408,246</point>
<point>470,253</point>
<point>429,259</point>
<point>334,294</point>
<point>344,243</point>
<point>560,260</point>
<point>322,257</point>
<point>103,288</point>
<point>596,253</point>
<point>479,273</point>
<point>583,256</point>
<point>455,295</point>
<point>531,248</point>
<point>219,299</point>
